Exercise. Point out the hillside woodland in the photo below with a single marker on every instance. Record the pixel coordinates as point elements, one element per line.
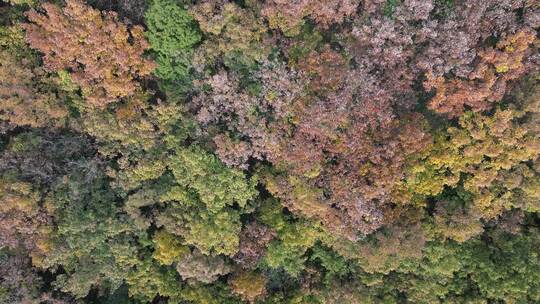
<point>269,151</point>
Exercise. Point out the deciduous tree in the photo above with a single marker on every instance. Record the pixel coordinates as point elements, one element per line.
<point>103,56</point>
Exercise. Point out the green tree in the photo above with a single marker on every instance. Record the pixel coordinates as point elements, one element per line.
<point>172,34</point>
<point>89,226</point>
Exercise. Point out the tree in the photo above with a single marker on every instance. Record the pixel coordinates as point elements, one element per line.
<point>103,56</point>
<point>168,248</point>
<point>21,2</point>
<point>488,82</point>
<point>288,250</point>
<point>254,238</point>
<point>172,34</point>
<point>199,267</point>
<point>456,222</point>
<point>89,229</point>
<point>250,286</point>
<point>289,16</point>
<point>24,223</point>
<point>202,199</point>
<point>216,185</point>
<point>29,96</point>
<point>491,155</point>
<point>210,232</point>
<point>147,280</point>
<point>20,283</point>
<point>234,35</point>
<point>246,114</point>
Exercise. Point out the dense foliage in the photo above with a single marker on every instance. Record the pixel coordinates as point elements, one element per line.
<point>269,151</point>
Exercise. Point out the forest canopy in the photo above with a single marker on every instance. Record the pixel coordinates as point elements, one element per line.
<point>269,151</point>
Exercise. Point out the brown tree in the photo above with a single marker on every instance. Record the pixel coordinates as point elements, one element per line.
<point>253,240</point>
<point>28,95</point>
<point>288,15</point>
<point>487,83</point>
<point>103,56</point>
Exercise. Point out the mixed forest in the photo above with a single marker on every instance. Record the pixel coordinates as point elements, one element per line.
<point>269,151</point>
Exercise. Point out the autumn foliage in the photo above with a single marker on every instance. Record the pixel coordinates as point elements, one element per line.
<point>488,82</point>
<point>278,152</point>
<point>94,47</point>
<point>289,15</point>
